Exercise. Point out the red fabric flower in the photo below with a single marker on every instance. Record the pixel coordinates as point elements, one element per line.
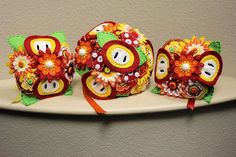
<point>130,38</point>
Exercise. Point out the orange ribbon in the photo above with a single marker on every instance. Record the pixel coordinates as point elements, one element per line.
<point>93,103</point>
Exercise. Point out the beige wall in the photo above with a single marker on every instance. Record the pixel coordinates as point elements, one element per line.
<point>206,132</point>
<point>159,20</point>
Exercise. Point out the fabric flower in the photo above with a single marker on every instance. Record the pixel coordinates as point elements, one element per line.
<point>107,77</point>
<point>186,66</point>
<point>96,62</point>
<point>123,88</point>
<point>20,63</point>
<point>138,88</point>
<point>171,87</point>
<point>198,45</point>
<point>49,66</point>
<point>130,38</point>
<point>121,28</point>
<point>28,81</point>
<point>174,47</point>
<point>83,53</point>
<point>144,74</point>
<point>131,77</point>
<point>69,71</point>
<point>109,27</point>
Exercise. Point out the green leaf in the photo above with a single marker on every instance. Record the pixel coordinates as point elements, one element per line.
<point>142,56</point>
<point>16,41</point>
<point>207,98</point>
<point>82,72</point>
<point>156,90</point>
<point>60,36</point>
<point>216,45</point>
<point>28,100</point>
<point>69,91</point>
<point>104,37</point>
<point>122,95</point>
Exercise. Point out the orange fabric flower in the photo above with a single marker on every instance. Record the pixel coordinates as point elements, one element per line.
<point>110,27</point>
<point>49,65</point>
<point>198,45</point>
<point>83,52</point>
<point>185,66</point>
<point>20,63</point>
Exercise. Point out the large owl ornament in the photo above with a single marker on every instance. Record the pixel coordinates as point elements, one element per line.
<point>114,60</point>
<point>42,65</point>
<point>188,69</point>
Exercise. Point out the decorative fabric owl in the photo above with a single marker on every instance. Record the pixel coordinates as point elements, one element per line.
<point>188,69</point>
<point>42,65</point>
<point>114,60</point>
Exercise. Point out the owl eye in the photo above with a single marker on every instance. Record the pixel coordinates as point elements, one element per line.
<point>212,68</point>
<point>34,44</point>
<point>120,56</point>
<point>96,89</point>
<point>44,88</point>
<point>162,65</point>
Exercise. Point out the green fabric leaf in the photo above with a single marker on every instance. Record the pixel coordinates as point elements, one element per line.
<point>69,91</point>
<point>16,41</point>
<point>122,95</point>
<point>216,45</point>
<point>156,90</point>
<point>28,100</point>
<point>82,72</point>
<point>207,98</point>
<point>60,36</point>
<point>142,56</point>
<point>104,37</point>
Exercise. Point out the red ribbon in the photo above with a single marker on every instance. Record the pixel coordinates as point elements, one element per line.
<point>191,103</point>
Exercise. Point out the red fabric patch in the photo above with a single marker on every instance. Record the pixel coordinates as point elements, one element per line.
<point>30,38</point>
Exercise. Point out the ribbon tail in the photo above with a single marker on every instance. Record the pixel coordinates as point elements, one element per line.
<point>191,103</point>
<point>17,99</point>
<point>93,103</point>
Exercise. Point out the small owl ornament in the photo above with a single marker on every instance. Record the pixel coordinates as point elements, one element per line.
<point>188,69</point>
<point>42,65</point>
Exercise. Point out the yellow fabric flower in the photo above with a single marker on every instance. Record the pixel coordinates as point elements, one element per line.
<point>28,81</point>
<point>174,47</point>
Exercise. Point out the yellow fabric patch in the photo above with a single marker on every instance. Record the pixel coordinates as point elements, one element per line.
<point>165,73</point>
<point>116,64</point>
